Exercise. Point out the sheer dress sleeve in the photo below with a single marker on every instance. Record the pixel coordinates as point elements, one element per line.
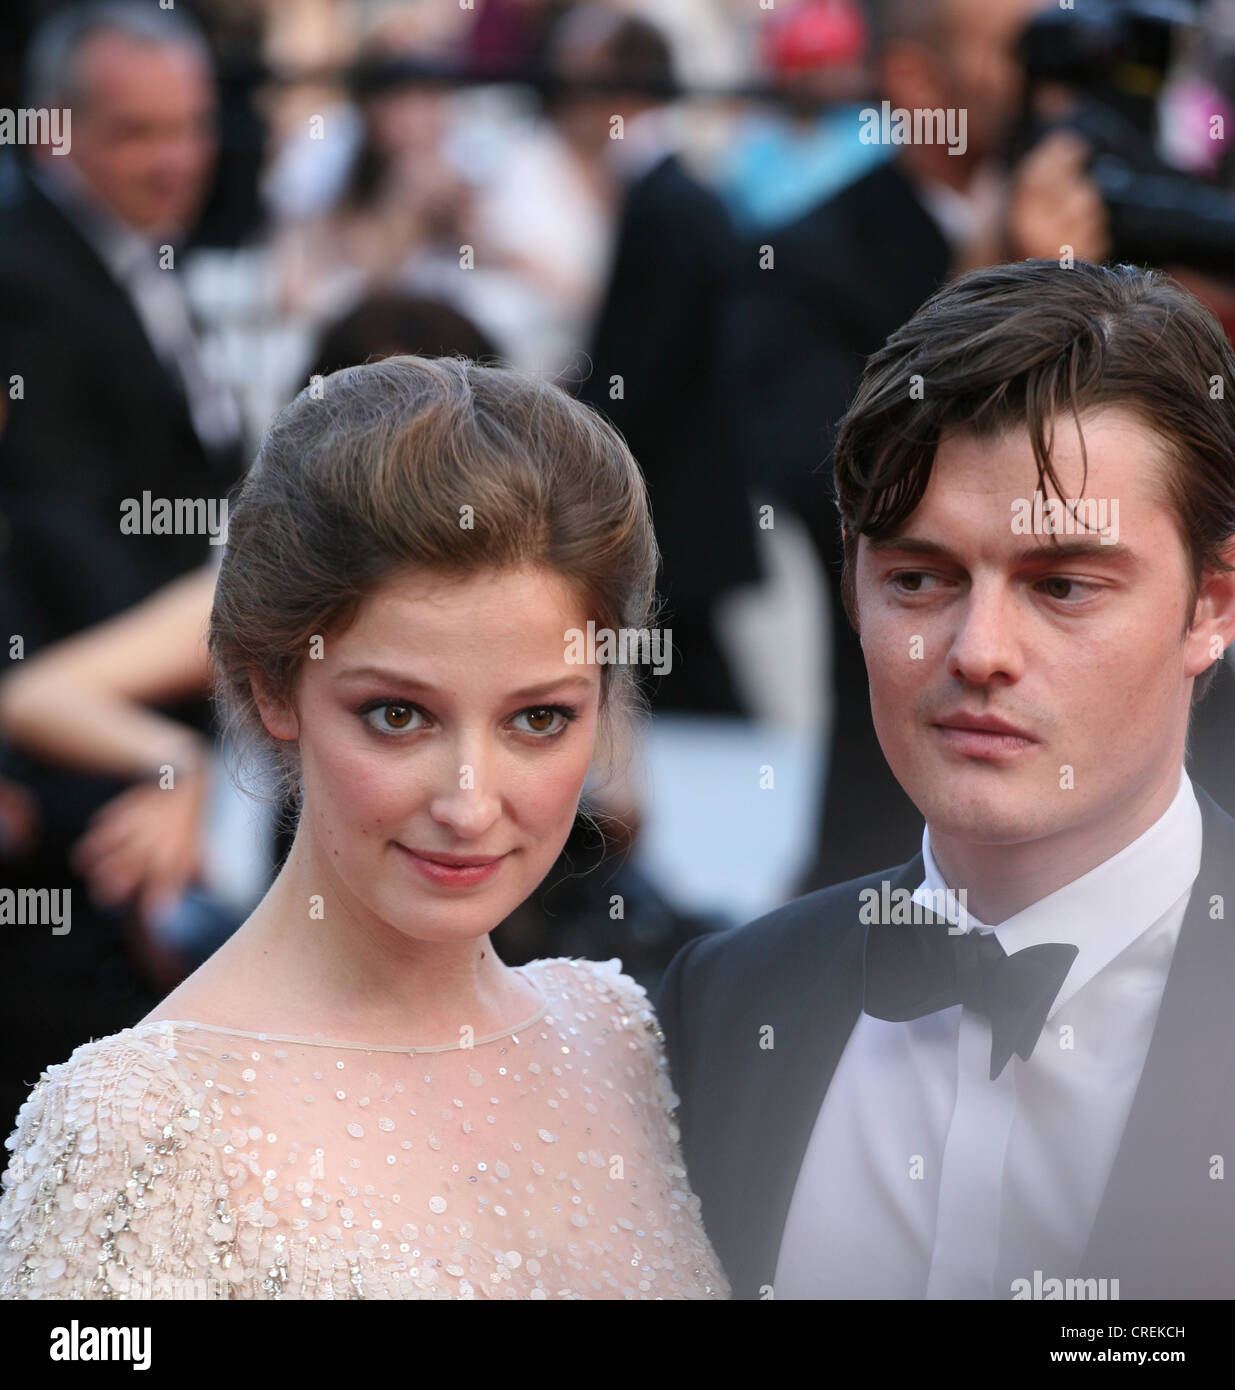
<point>109,1189</point>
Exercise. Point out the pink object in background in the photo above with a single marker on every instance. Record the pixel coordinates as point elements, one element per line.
<point>815,34</point>
<point>1192,111</point>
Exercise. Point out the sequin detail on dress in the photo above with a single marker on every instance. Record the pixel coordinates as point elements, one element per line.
<point>175,1160</point>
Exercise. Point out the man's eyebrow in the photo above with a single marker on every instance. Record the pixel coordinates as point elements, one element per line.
<point>1079,550</point>
<point>1046,553</point>
<point>410,682</point>
<point>908,545</point>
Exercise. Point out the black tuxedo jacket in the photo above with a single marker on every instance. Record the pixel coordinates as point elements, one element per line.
<point>673,266</point>
<point>99,419</point>
<point>846,274</point>
<point>1165,1227</point>
<point>659,329</point>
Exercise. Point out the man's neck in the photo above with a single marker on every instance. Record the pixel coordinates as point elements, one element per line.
<point>933,164</point>
<point>79,200</point>
<point>1002,880</point>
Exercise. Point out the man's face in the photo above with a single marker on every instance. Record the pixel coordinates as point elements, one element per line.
<point>1080,651</point>
<point>978,69</point>
<point>143,130</point>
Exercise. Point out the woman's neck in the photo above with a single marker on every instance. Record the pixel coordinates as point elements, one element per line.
<point>325,960</point>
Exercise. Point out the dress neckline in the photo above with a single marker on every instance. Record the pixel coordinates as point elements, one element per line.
<point>166,1024</point>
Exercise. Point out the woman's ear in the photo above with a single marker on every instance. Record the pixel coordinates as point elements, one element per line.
<point>277,715</point>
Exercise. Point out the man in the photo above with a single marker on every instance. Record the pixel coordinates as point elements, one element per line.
<point>655,373</point>
<point>107,398</point>
<point>112,396</point>
<point>873,1108</point>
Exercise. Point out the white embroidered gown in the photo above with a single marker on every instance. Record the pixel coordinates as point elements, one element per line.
<point>182,1160</point>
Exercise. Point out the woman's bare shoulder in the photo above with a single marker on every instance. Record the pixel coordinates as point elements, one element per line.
<point>224,991</point>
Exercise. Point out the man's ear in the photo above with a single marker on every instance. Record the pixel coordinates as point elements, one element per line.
<point>909,71</point>
<point>277,715</point>
<point>1213,621</point>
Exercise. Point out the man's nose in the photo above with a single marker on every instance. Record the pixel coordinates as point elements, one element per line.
<point>985,645</point>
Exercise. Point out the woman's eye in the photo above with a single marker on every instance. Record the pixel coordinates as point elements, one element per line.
<point>546,720</point>
<point>393,717</point>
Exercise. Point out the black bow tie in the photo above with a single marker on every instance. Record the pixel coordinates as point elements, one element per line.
<point>912,970</point>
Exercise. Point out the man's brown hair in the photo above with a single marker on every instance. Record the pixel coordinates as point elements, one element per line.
<point>1019,345</point>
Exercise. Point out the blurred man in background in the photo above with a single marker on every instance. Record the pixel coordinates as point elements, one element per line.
<point>115,397</point>
<point>656,372</point>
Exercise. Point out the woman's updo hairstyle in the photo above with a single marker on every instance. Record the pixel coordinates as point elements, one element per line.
<point>441,465</point>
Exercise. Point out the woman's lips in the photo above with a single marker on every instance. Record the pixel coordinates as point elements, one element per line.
<point>464,872</point>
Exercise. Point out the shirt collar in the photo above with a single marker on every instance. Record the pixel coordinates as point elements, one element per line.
<point>1105,910</point>
<point>646,139</point>
<point>953,213</point>
<point>121,248</point>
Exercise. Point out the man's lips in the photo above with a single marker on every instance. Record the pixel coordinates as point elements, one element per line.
<point>984,724</point>
<point>983,736</point>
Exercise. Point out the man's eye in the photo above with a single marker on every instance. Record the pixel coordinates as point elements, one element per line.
<point>393,717</point>
<point>1074,588</point>
<point>912,581</point>
<point>545,720</point>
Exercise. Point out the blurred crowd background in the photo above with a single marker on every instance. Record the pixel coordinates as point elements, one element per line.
<point>664,205</point>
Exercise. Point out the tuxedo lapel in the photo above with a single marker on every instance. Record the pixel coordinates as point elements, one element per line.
<point>812,1040</point>
<point>1166,1225</point>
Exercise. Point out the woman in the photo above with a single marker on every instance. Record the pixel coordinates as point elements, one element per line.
<point>353,1096</point>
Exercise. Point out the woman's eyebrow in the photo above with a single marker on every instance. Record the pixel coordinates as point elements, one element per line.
<point>397,678</point>
<point>552,687</point>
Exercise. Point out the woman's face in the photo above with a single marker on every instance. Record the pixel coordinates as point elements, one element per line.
<point>444,741</point>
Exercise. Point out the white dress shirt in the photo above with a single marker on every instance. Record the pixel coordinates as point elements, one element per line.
<point>923,1178</point>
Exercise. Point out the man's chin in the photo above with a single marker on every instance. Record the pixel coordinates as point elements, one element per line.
<point>981,815</point>
<point>164,222</point>
<point>987,829</point>
<point>170,230</point>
